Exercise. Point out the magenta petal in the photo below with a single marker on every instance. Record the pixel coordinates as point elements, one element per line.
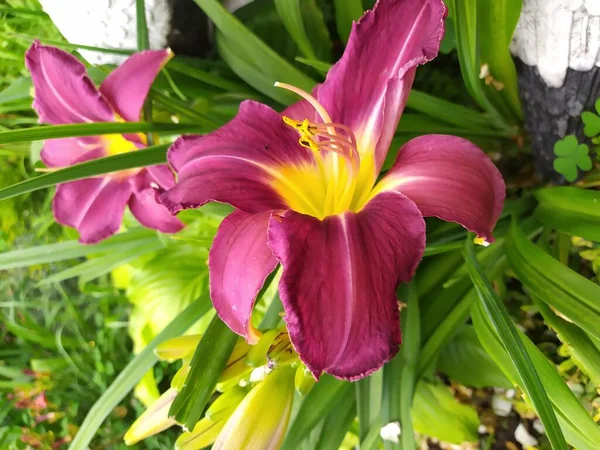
<point>67,151</point>
<point>450,178</point>
<point>151,214</point>
<point>94,206</point>
<point>127,86</point>
<point>339,282</point>
<point>239,262</point>
<point>368,88</point>
<point>63,91</point>
<point>235,164</point>
<point>144,203</point>
<point>161,175</point>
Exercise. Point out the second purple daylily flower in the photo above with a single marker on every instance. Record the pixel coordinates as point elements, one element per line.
<point>64,94</point>
<point>306,188</point>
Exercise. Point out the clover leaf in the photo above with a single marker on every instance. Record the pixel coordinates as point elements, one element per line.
<point>591,121</point>
<point>571,155</point>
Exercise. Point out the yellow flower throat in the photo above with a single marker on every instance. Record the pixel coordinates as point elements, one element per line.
<point>339,180</point>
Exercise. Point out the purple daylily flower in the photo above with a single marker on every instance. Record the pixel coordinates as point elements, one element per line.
<point>306,189</point>
<point>64,94</point>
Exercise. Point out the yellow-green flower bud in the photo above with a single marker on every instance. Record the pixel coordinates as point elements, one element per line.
<point>204,434</point>
<point>236,368</point>
<point>257,356</point>
<point>178,348</point>
<point>261,420</point>
<point>224,406</point>
<point>178,380</point>
<point>281,351</point>
<point>304,380</point>
<point>154,420</point>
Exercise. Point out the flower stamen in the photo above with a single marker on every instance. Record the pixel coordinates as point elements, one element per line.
<point>318,138</point>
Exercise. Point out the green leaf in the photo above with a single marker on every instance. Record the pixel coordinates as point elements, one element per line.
<point>400,374</point>
<point>465,27</point>
<point>71,46</point>
<point>566,167</point>
<point>101,265</point>
<point>582,157</point>
<point>316,29</point>
<point>508,334</point>
<point>165,285</point>
<point>133,372</point>
<point>570,210</point>
<point>293,14</point>
<point>497,22</point>
<point>148,157</point>
<point>207,364</point>
<point>566,146</point>
<point>580,346</point>
<point>347,11</point>
<point>89,129</point>
<point>141,25</point>
<point>143,43</point>
<point>61,251</point>
<point>410,359</point>
<point>446,111</point>
<point>253,76</point>
<point>178,64</point>
<point>336,424</point>
<point>320,66</point>
<point>368,402</point>
<point>573,295</point>
<point>17,90</point>
<point>257,61</point>
<point>579,428</point>
<point>317,404</point>
<point>570,156</point>
<point>438,414</point>
<point>465,360</point>
<point>591,124</point>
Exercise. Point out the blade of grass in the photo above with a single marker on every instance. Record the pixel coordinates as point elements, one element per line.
<point>147,157</point>
<point>586,354</point>
<point>511,341</point>
<point>101,265</point>
<point>570,210</point>
<point>141,26</point>
<point>408,375</point>
<point>449,112</point>
<point>143,43</point>
<point>336,424</point>
<point>575,296</point>
<point>317,404</point>
<point>44,132</point>
<point>179,65</point>
<point>61,251</point>
<point>346,11</point>
<point>182,109</point>
<point>368,402</point>
<point>291,16</point>
<point>264,59</point>
<point>71,46</point>
<point>134,371</point>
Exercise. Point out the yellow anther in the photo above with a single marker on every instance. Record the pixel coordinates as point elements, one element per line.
<point>481,241</point>
<point>308,142</point>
